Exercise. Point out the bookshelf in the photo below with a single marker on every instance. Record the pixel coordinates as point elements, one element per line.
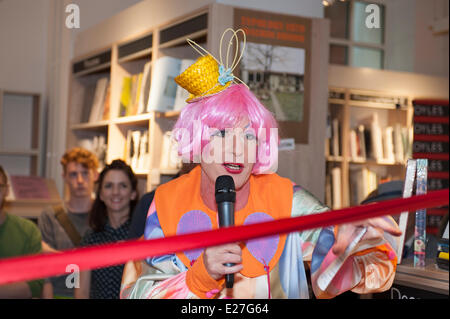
<point>20,116</point>
<point>21,151</point>
<point>369,139</point>
<point>120,129</point>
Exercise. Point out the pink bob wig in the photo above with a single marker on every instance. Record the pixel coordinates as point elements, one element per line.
<point>226,110</point>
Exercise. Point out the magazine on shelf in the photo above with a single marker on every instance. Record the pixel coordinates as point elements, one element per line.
<point>137,150</point>
<point>182,95</point>
<point>97,145</point>
<point>388,144</point>
<point>163,89</point>
<point>99,100</point>
<point>125,96</point>
<point>106,104</point>
<point>169,154</point>
<point>145,89</point>
<point>335,139</point>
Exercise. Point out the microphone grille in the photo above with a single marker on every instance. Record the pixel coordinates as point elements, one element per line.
<point>225,190</point>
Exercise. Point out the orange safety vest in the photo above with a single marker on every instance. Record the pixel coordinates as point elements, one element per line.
<point>180,210</point>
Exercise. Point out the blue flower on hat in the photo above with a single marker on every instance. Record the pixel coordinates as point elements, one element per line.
<point>225,75</point>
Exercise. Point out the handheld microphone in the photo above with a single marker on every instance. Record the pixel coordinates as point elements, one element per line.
<point>225,199</point>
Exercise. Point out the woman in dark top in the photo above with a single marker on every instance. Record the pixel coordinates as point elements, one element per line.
<point>110,220</point>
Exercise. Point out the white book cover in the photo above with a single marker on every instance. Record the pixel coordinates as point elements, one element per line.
<point>336,136</point>
<point>336,187</point>
<point>145,88</point>
<point>182,94</point>
<point>169,155</point>
<point>143,152</point>
<point>353,145</point>
<point>99,99</point>
<point>362,142</point>
<point>163,89</point>
<point>136,136</point>
<point>376,135</point>
<point>129,147</point>
<point>398,144</point>
<point>388,144</point>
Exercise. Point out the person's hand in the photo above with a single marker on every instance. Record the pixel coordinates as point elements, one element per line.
<point>215,257</point>
<point>375,228</point>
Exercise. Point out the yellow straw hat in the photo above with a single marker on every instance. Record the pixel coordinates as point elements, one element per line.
<point>207,76</point>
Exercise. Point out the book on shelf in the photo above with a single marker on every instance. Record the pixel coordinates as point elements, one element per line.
<point>169,153</point>
<point>88,93</point>
<point>99,100</point>
<point>353,141</point>
<point>132,110</point>
<point>385,145</point>
<point>377,139</point>
<point>399,152</point>
<point>336,187</point>
<point>143,162</point>
<point>362,142</point>
<point>106,104</point>
<point>328,135</point>
<point>145,89</point>
<point>137,150</point>
<point>97,145</point>
<point>163,89</point>
<point>136,138</point>
<point>362,182</point>
<point>388,144</point>
<point>182,95</point>
<point>335,138</point>
<point>125,96</point>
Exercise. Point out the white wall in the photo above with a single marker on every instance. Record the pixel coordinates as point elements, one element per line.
<point>431,50</point>
<point>23,44</point>
<point>305,8</point>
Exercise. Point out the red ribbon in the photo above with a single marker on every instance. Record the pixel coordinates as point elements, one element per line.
<point>47,265</point>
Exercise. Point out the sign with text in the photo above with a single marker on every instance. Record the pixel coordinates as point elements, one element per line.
<point>276,66</point>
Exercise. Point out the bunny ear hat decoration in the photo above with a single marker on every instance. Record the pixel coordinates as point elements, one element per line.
<point>207,76</point>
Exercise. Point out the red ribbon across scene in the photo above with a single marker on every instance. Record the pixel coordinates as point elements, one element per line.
<point>47,265</point>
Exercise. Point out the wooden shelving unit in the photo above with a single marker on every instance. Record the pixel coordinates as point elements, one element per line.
<point>350,107</point>
<point>126,57</point>
<point>20,132</point>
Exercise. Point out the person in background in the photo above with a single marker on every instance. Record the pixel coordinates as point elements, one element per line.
<point>18,236</point>
<point>110,219</point>
<point>140,213</point>
<point>62,226</point>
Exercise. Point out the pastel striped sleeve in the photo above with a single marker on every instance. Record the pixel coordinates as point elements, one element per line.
<point>159,277</point>
<point>368,265</point>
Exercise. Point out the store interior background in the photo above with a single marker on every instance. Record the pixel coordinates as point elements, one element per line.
<point>36,50</point>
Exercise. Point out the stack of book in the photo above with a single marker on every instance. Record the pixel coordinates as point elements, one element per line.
<point>431,141</point>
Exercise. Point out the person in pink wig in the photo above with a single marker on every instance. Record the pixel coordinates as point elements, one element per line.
<point>227,130</point>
